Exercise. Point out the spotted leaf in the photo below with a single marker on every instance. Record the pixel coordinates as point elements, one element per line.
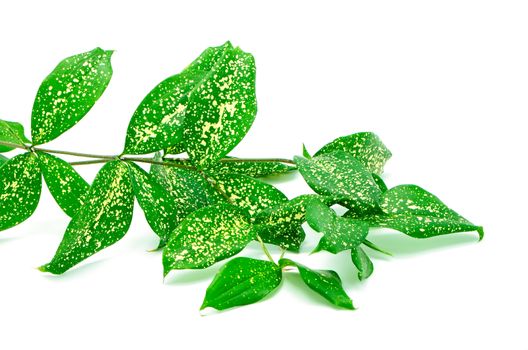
<point>242,281</point>
<point>339,233</point>
<point>64,183</point>
<point>207,236</point>
<point>249,194</point>
<point>324,282</point>
<point>11,132</point>
<point>362,262</point>
<point>158,122</point>
<point>68,93</point>
<point>380,183</point>
<point>281,224</point>
<point>162,211</point>
<point>190,189</point>
<point>342,177</point>
<point>414,211</point>
<point>222,108</point>
<point>102,221</point>
<point>20,186</point>
<point>366,147</point>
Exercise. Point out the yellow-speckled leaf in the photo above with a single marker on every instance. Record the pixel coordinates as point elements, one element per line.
<point>64,183</point>
<point>68,93</point>
<point>326,283</point>
<point>103,220</point>
<point>162,211</point>
<point>206,236</point>
<point>242,281</point>
<point>11,132</point>
<point>281,224</point>
<point>414,211</point>
<point>339,233</point>
<point>158,122</point>
<point>342,177</point>
<point>222,109</point>
<point>366,147</point>
<point>20,186</point>
<point>249,194</point>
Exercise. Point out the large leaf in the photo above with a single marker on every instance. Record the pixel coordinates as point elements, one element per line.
<point>281,224</point>
<point>324,282</point>
<point>68,93</point>
<point>158,122</point>
<point>414,211</point>
<point>341,176</point>
<point>249,194</point>
<point>339,233</point>
<point>206,236</point>
<point>364,146</point>
<point>102,221</point>
<point>242,281</point>
<point>20,186</point>
<point>162,211</point>
<point>362,262</point>
<point>65,185</point>
<point>221,109</point>
<point>11,132</point>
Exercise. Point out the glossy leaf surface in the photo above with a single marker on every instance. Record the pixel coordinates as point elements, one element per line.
<point>362,262</point>
<point>11,132</point>
<point>68,93</point>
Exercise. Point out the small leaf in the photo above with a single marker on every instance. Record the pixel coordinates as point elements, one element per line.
<point>281,224</point>
<point>249,194</point>
<point>65,185</point>
<point>158,122</point>
<point>222,109</point>
<point>362,262</point>
<point>339,233</point>
<point>366,147</point>
<point>341,176</point>
<point>3,159</point>
<point>242,281</point>
<point>324,282</point>
<point>68,93</point>
<point>207,236</point>
<point>305,152</point>
<point>20,186</point>
<point>417,213</point>
<point>11,132</point>
<point>374,247</point>
<point>188,187</point>
<point>162,211</point>
<point>102,221</point>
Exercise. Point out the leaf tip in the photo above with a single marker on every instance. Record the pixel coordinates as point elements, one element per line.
<point>480,231</point>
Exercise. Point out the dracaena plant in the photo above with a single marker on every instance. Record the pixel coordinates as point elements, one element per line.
<point>206,207</point>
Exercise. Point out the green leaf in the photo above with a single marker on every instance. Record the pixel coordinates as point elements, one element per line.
<point>305,152</point>
<point>362,262</point>
<point>102,221</point>
<point>379,181</point>
<point>324,282</point>
<point>417,213</point>
<point>162,211</point>
<point>249,194</point>
<point>339,233</point>
<point>374,247</point>
<point>3,160</point>
<point>281,224</point>
<point>188,187</point>
<point>68,93</point>
<point>65,185</point>
<point>158,122</point>
<point>341,176</point>
<point>242,281</point>
<point>11,132</point>
<point>366,147</point>
<point>221,109</point>
<point>20,186</point>
<point>207,236</point>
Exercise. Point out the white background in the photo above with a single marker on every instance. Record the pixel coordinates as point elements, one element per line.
<point>444,84</point>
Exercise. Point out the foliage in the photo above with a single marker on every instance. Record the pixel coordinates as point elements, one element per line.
<point>209,207</point>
